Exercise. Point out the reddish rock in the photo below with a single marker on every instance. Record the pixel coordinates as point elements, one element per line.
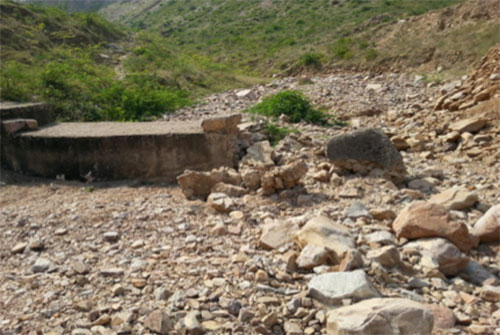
<point>420,219</point>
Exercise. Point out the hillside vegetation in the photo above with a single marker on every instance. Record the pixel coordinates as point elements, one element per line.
<point>275,36</point>
<point>90,69</point>
<point>159,55</point>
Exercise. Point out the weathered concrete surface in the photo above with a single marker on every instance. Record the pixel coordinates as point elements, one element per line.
<point>37,111</point>
<point>151,151</point>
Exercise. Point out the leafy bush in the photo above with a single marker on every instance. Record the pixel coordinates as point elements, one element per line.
<point>342,48</point>
<point>15,82</point>
<point>312,60</point>
<point>291,103</point>
<point>276,133</point>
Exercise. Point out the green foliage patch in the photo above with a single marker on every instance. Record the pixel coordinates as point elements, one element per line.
<point>293,104</point>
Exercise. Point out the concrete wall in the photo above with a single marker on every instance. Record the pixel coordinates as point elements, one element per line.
<point>159,156</point>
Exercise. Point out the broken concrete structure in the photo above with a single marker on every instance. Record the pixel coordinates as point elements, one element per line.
<point>149,151</point>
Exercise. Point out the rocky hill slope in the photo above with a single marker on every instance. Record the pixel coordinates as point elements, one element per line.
<point>314,236</point>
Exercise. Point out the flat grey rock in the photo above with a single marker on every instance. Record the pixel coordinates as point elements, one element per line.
<point>330,288</point>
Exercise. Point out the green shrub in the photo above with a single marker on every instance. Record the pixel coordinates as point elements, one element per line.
<point>15,82</point>
<point>342,48</point>
<point>311,60</point>
<point>371,54</point>
<point>291,103</point>
<point>276,133</point>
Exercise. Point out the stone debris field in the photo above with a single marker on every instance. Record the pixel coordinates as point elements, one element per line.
<point>387,225</point>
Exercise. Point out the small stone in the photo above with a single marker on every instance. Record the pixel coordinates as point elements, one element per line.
<point>79,267</point>
<point>357,210</point>
<point>41,265</point>
<point>81,331</point>
<point>19,248</point>
<point>161,293</point>
<point>220,202</point>
<point>331,288</point>
<point>276,234</point>
<point>192,323</point>
<point>111,271</point>
<point>387,256</point>
<point>261,276</point>
<point>313,255</point>
<point>490,293</point>
<point>381,237</point>
<point>270,319</point>
<point>487,228</point>
<point>36,245</point>
<point>158,322</point>
<point>443,317</point>
<point>293,328</point>
<point>111,236</point>
<point>457,198</point>
<point>102,320</point>
<point>383,214</point>
<point>139,282</point>
<point>118,290</point>
<point>469,125</point>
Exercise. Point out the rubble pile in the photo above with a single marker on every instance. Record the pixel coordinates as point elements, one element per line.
<point>320,234</point>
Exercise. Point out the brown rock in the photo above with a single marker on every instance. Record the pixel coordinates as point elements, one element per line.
<point>456,198</point>
<point>277,234</point>
<point>487,228</point>
<point>443,316</point>
<point>158,322</point>
<point>421,219</point>
<point>220,202</point>
<point>283,177</point>
<point>468,125</point>
<point>323,232</point>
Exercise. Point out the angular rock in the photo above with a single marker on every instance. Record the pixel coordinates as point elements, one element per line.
<point>476,273</point>
<point>364,150</point>
<point>230,190</point>
<point>387,316</point>
<point>200,184</point>
<point>277,234</point>
<point>158,322</point>
<point>283,177</point>
<point>381,237</point>
<point>490,293</point>
<point>313,255</point>
<point>357,210</point>
<point>487,228</point>
<point>220,202</point>
<point>109,271</point>
<point>330,288</point>
<point>456,198</point>
<point>192,323</point>
<point>42,265</point>
<point>421,219</point>
<point>443,316</point>
<point>19,248</point>
<point>259,154</point>
<point>223,124</point>
<point>469,125</point>
<point>11,127</point>
<point>440,254</point>
<point>387,256</point>
<point>323,232</point>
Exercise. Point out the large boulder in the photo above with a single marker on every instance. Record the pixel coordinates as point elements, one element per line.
<point>330,288</point>
<point>420,219</point>
<point>487,228</point>
<point>323,232</point>
<point>364,150</point>
<point>387,316</point>
<point>439,254</point>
